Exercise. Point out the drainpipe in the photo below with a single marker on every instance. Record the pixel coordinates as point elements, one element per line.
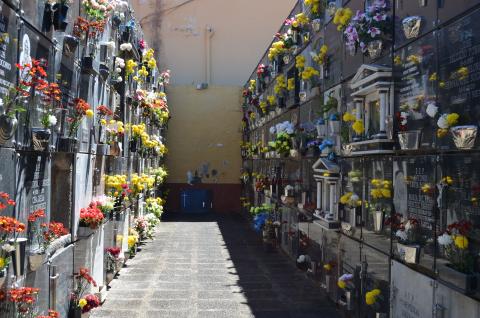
<point>209,32</point>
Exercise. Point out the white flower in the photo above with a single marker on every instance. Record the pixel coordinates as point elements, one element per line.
<point>301,259</point>
<point>276,223</point>
<point>442,122</point>
<point>119,79</point>
<point>118,70</point>
<point>346,277</point>
<point>8,248</point>
<point>432,110</point>
<point>289,130</point>
<point>126,47</point>
<point>1,102</point>
<point>52,120</point>
<point>401,235</point>
<point>445,239</point>
<point>408,226</point>
<point>272,130</point>
<point>354,198</point>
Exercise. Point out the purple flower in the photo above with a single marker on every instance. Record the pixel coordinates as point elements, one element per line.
<point>363,47</point>
<point>380,17</point>
<point>373,31</point>
<point>359,16</point>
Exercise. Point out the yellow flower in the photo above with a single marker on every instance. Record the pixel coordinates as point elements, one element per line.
<point>103,121</point>
<point>371,296</point>
<point>461,242</point>
<point>89,113</point>
<point>413,59</point>
<point>397,60</point>
<point>82,303</point>
<point>358,127</point>
<point>342,17</point>
<point>341,284</point>
<point>433,77</point>
<point>441,84</point>
<point>327,267</point>
<point>300,62</point>
<point>452,119</point>
<point>386,193</point>
<point>271,100</point>
<point>3,262</point>
<point>442,132</point>
<point>426,188</point>
<point>462,73</point>
<point>348,117</point>
<point>345,198</point>
<point>291,84</point>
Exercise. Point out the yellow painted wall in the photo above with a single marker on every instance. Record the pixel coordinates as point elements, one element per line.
<point>205,128</point>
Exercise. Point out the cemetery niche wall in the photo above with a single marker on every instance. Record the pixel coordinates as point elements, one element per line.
<point>367,178</point>
<point>83,121</point>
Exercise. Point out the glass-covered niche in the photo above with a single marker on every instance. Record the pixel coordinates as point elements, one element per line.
<point>459,87</point>
<point>378,202</point>
<point>413,222</point>
<point>351,195</point>
<point>459,225</point>
<point>333,40</point>
<point>415,93</point>
<point>413,19</point>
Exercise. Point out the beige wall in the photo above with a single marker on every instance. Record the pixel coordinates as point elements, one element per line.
<point>204,130</point>
<point>242,31</point>
<point>205,124</point>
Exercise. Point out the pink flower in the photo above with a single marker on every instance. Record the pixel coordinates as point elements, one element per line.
<point>373,31</point>
<point>380,17</point>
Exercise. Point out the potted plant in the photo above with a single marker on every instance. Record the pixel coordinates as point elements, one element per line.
<point>454,244</point>
<point>408,234</point>
<point>42,235</point>
<point>91,218</point>
<point>81,302</point>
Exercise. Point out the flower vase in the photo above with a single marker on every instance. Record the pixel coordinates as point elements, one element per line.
<point>133,145</point>
<point>464,136</point>
<point>60,16</point>
<point>409,253</point>
<point>378,217</point>
<point>8,125</point>
<point>328,284</point>
<point>36,261</point>
<point>41,138</point>
<point>48,14</point>
<point>18,256</point>
<point>109,276</point>
<point>114,149</point>
<point>467,283</point>
<point>375,48</point>
<point>409,140</point>
<point>74,311</point>
<point>103,149</point>
<point>316,25</point>
<point>85,231</point>
<point>67,144</point>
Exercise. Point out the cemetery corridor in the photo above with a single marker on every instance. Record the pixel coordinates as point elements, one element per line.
<point>211,266</point>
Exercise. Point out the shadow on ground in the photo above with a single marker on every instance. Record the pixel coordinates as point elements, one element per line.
<point>267,282</point>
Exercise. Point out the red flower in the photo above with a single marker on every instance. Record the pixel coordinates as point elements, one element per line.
<point>40,213</point>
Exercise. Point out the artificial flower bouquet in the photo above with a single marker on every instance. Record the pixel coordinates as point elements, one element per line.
<point>105,203</point>
<point>454,244</point>
<point>80,300</point>
<point>43,234</point>
<point>112,258</point>
<point>284,132</point>
<point>91,216</point>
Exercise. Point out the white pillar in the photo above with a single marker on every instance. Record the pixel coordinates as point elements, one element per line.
<point>319,195</point>
<point>332,198</point>
<point>383,110</point>
<point>358,107</point>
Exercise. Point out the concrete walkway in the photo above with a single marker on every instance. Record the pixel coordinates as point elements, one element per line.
<point>211,266</point>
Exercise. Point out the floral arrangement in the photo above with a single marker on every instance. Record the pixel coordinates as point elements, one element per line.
<point>342,18</point>
<point>112,255</point>
<point>130,67</point>
<point>366,27</point>
<point>263,71</point>
<point>9,227</point>
<point>82,282</point>
<point>117,186</point>
<point>98,10</point>
<point>24,299</point>
<point>154,206</point>
<point>80,109</point>
<point>298,22</point>
<point>44,233</point>
<point>132,240</point>
<point>356,124</point>
<point>115,131</point>
<point>409,231</point>
<point>142,182</point>
<point>31,75</point>
<point>283,141</point>
<point>380,189</point>
<point>291,84</point>
<point>103,112</point>
<point>454,242</point>
<point>321,57</point>
<point>351,200</point>
<point>315,6</point>
<point>300,62</point>
<point>308,73</point>
<point>105,203</point>
<point>141,226</point>
<point>445,122</point>
<point>371,297</point>
<point>51,99</point>
<point>344,280</point>
<point>91,216</point>
<point>280,85</point>
<point>89,31</point>
<point>277,49</point>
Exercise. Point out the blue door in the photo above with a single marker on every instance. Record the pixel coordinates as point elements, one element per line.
<point>196,201</point>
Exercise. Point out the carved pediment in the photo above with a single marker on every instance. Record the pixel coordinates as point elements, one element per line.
<point>371,74</point>
<point>325,169</point>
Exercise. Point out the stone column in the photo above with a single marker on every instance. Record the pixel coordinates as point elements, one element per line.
<point>359,106</point>
<point>319,195</point>
<point>383,112</point>
<point>332,198</point>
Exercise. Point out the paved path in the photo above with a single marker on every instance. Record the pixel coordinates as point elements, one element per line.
<point>211,267</point>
